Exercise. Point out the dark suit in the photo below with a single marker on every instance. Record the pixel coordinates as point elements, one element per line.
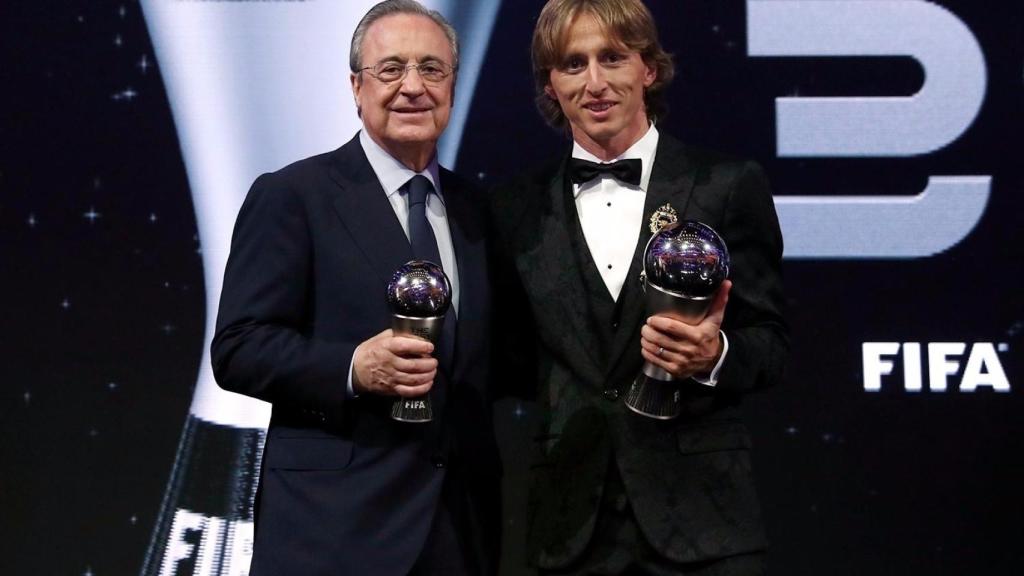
<point>344,489</point>
<point>688,480</point>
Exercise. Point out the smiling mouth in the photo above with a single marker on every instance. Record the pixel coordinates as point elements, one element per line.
<point>599,106</point>
<point>410,110</point>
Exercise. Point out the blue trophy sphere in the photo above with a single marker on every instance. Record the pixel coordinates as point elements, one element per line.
<point>419,289</point>
<point>687,258</point>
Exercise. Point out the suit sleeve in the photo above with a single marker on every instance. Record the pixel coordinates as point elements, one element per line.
<point>758,335</point>
<point>262,347</point>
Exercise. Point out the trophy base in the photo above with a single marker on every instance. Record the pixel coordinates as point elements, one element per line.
<point>654,398</point>
<point>418,409</point>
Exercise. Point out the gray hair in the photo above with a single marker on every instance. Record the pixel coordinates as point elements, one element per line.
<point>390,8</point>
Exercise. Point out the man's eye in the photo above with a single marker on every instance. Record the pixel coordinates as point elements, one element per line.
<point>433,71</point>
<point>614,58</point>
<point>390,70</point>
<point>575,64</point>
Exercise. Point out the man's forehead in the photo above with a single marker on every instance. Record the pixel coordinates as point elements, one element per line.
<point>406,56</point>
<point>572,36</point>
<point>406,37</point>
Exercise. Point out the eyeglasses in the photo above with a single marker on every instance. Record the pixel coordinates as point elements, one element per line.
<point>388,71</point>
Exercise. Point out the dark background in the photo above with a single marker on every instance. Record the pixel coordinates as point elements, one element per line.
<point>103,295</point>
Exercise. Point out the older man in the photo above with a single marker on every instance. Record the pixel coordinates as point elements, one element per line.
<point>615,492</point>
<point>303,324</point>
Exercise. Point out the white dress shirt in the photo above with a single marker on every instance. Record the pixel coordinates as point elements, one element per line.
<point>393,175</point>
<point>612,215</point>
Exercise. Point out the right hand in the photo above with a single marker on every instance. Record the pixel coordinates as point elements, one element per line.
<point>392,365</point>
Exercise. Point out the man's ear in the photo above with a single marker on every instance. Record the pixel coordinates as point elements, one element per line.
<point>650,74</point>
<point>357,86</point>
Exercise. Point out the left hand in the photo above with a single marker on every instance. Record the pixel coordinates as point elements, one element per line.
<point>683,349</point>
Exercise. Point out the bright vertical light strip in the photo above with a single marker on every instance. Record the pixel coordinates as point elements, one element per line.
<point>474,22</point>
<point>252,87</point>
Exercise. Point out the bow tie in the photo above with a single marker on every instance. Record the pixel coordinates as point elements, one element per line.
<point>625,171</point>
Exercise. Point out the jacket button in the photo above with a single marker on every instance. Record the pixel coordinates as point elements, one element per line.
<point>438,461</point>
<point>611,394</point>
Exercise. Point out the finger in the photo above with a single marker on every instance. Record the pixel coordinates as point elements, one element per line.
<point>402,379</point>
<point>658,361</point>
<point>413,391</point>
<point>656,349</point>
<point>671,328</point>
<point>667,341</point>
<point>414,365</point>
<point>381,335</point>
<point>676,358</point>
<point>407,346</point>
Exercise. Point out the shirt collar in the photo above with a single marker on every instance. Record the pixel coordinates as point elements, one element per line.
<point>643,149</point>
<point>392,173</point>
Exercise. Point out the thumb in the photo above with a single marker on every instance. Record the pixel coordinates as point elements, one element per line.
<point>717,310</point>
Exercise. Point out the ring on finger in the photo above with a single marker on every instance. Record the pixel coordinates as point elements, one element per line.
<point>661,349</point>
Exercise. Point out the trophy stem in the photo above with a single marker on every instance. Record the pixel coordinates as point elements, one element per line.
<point>418,409</point>
<point>654,397</point>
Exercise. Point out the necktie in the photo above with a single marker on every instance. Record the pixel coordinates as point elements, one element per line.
<point>424,247</point>
<point>626,171</point>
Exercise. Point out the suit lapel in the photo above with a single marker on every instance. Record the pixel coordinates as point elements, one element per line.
<point>672,180</point>
<point>468,257</point>
<point>549,267</point>
<point>366,212</point>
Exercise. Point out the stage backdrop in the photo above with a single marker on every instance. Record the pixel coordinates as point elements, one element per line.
<point>891,130</point>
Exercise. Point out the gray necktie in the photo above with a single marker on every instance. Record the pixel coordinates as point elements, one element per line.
<point>424,247</point>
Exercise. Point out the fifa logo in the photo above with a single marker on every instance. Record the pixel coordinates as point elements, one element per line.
<point>983,368</point>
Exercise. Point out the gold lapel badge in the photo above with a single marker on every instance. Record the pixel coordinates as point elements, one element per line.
<point>663,217</point>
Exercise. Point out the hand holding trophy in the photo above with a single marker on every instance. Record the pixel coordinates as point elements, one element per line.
<point>419,294</point>
<point>684,265</point>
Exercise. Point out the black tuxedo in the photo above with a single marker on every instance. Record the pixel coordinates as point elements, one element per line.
<point>688,481</point>
<point>344,489</point>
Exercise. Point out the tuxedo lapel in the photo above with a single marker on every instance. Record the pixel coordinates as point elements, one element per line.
<point>365,211</point>
<point>672,180</point>
<point>549,268</point>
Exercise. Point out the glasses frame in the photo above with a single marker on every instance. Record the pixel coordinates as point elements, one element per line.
<point>372,71</point>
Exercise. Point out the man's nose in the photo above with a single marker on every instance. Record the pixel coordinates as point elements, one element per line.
<point>597,80</point>
<point>413,82</point>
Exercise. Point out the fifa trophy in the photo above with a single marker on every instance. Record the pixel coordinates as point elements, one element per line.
<point>684,264</point>
<point>419,294</point>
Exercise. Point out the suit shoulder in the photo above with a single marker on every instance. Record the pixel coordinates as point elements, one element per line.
<point>297,183</point>
<point>714,165</point>
<point>512,195</point>
<point>300,170</point>
<point>705,158</point>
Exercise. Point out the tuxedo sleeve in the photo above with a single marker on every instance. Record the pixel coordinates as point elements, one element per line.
<point>263,346</point>
<point>754,323</point>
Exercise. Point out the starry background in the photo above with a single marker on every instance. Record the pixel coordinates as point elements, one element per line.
<point>104,297</point>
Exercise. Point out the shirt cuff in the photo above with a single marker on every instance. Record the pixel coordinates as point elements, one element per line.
<point>712,378</point>
<point>350,389</point>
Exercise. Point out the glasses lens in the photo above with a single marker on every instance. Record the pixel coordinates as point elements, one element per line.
<point>388,71</point>
<point>432,71</point>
